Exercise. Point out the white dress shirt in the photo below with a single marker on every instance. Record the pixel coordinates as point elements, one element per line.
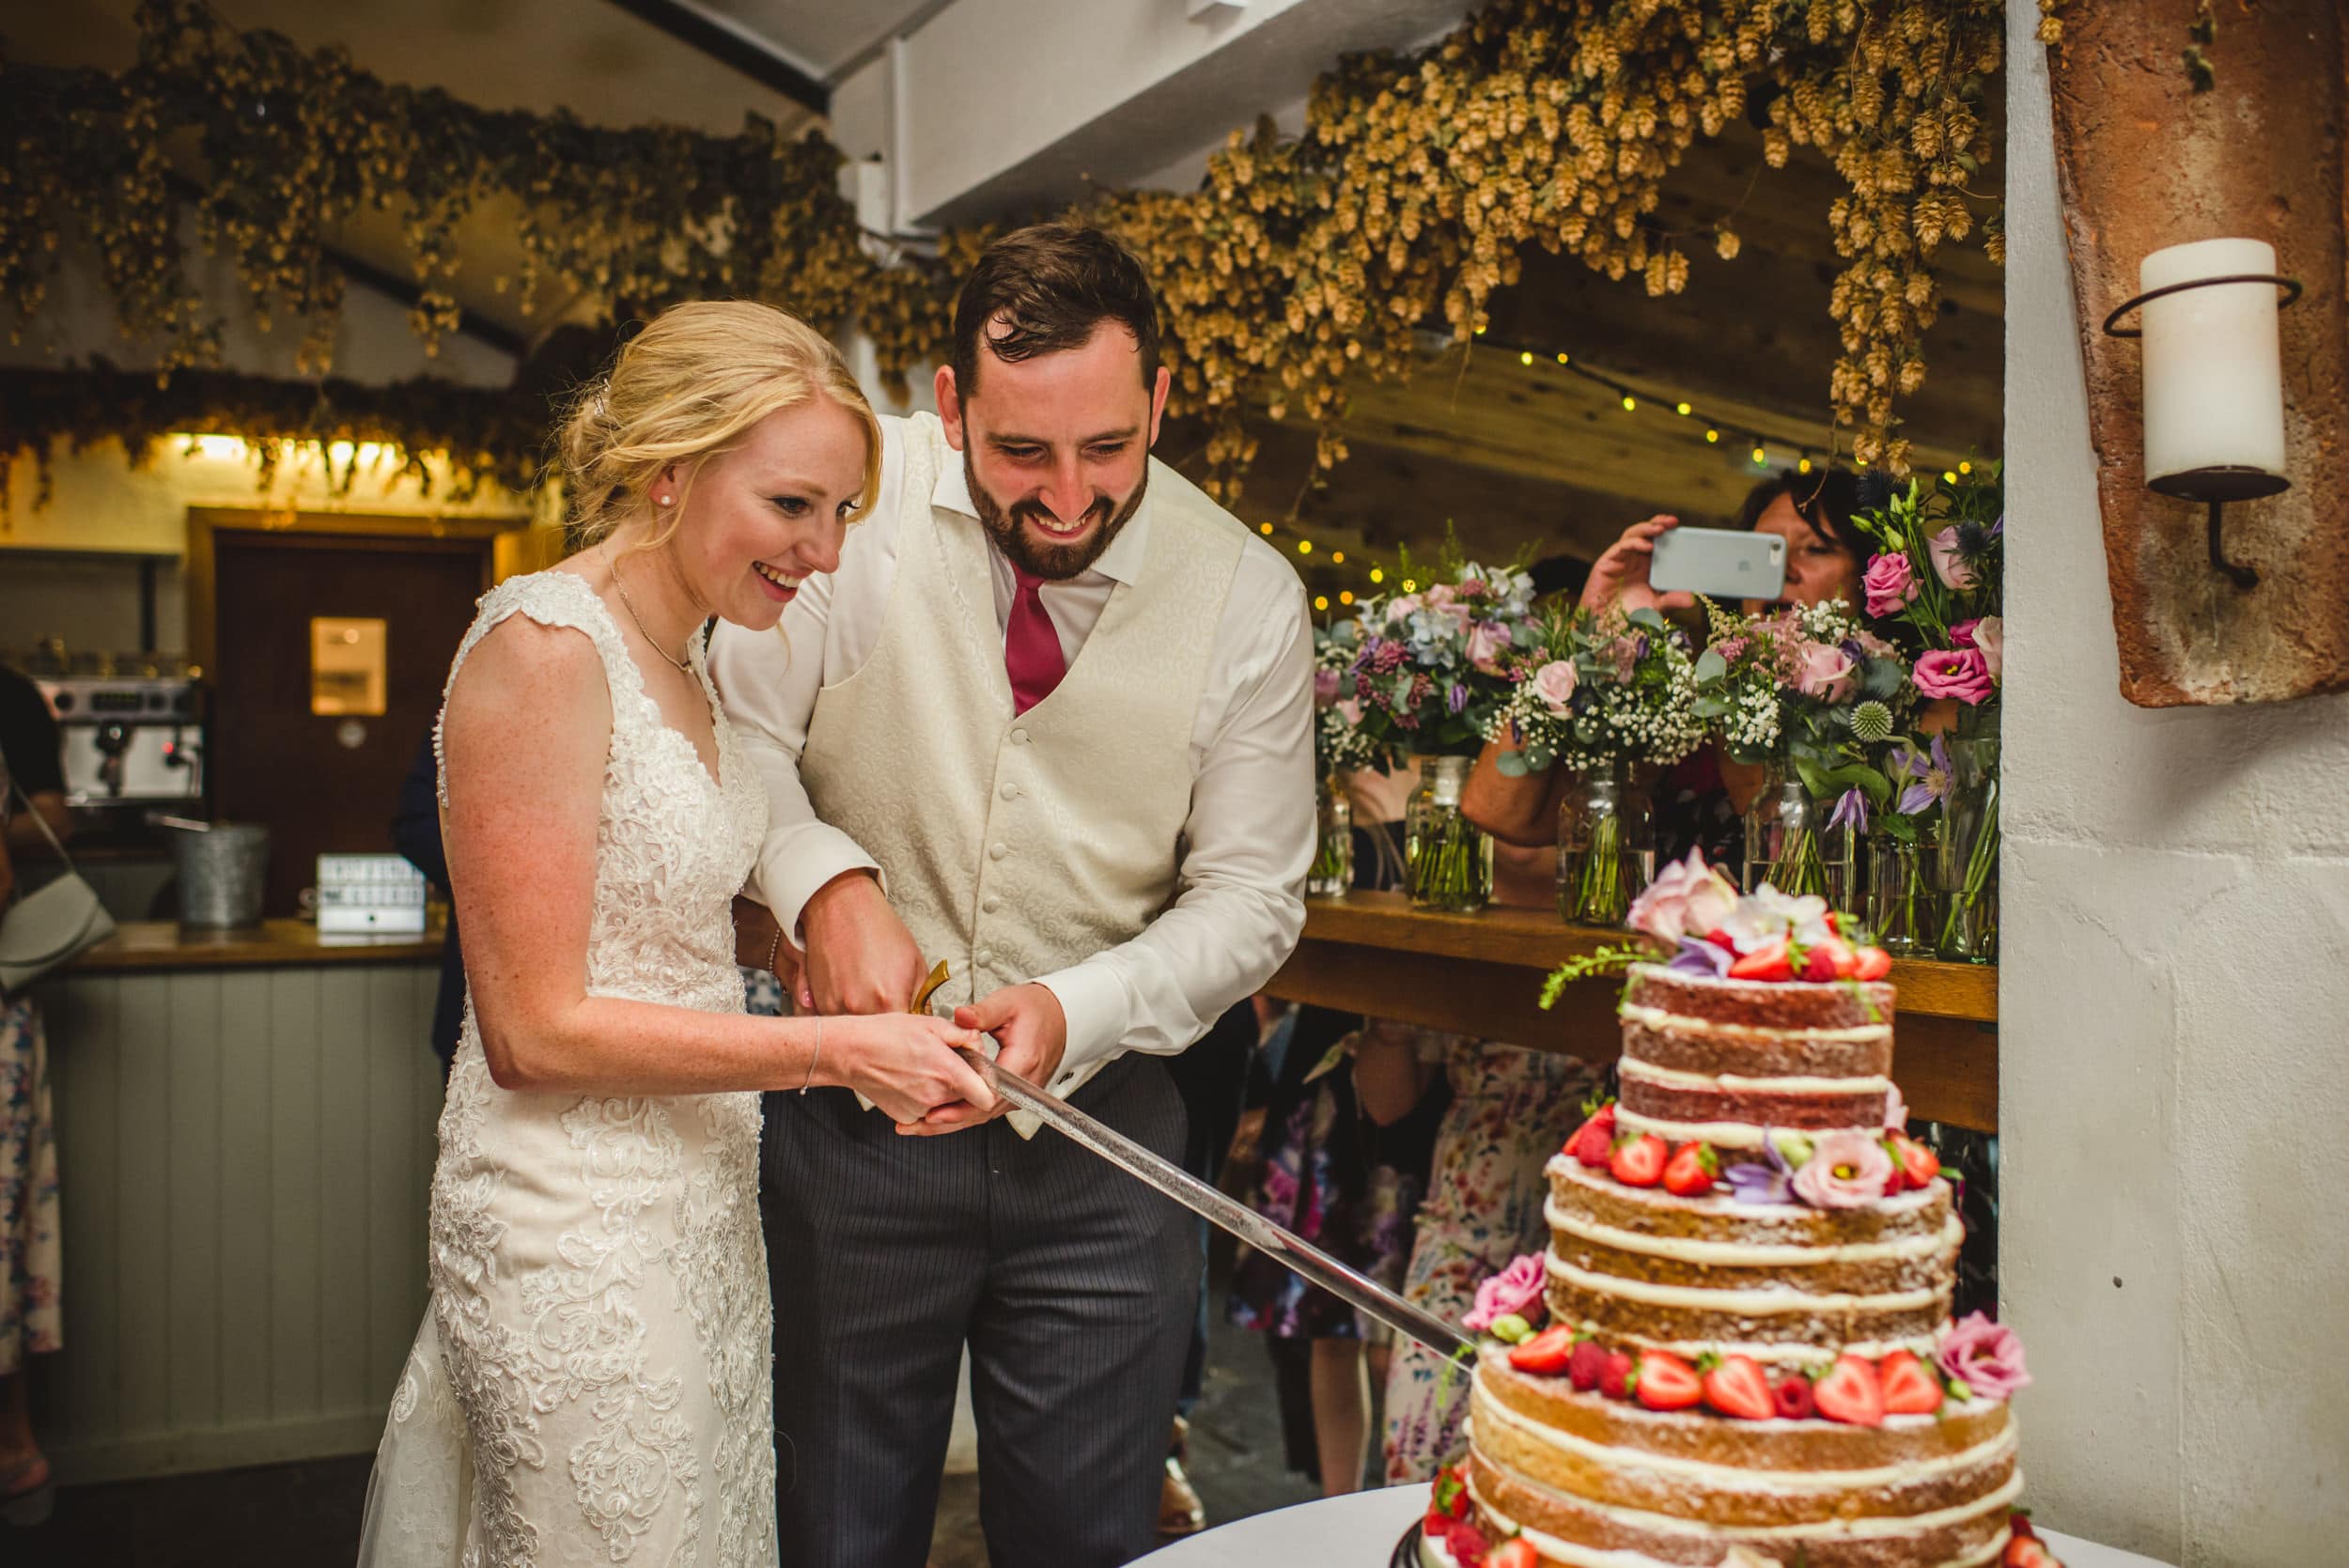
<point>1249,838</point>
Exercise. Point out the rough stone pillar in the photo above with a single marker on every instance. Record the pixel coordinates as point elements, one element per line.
<point>2147,161</point>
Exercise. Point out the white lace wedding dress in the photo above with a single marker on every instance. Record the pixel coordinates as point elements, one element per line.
<point>592,1381</point>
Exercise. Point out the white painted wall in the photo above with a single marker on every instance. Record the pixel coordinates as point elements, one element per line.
<point>2175,1020</point>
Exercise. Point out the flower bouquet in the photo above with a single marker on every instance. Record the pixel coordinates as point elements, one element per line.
<point>1937,584</point>
<point>1339,747</point>
<point>1431,671</point>
<point>1608,697</point>
<point>1813,695</point>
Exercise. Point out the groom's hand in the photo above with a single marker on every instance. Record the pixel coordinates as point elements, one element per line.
<point>861,958</point>
<point>1031,1036</point>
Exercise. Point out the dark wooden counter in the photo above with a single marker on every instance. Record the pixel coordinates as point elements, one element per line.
<point>1482,975</point>
<point>163,944</point>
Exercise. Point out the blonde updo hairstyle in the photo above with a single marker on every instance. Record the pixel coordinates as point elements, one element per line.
<point>685,390</point>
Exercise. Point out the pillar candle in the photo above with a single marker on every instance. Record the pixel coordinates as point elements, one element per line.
<point>2214,383</point>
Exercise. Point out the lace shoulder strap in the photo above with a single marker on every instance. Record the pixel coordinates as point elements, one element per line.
<point>551,598</point>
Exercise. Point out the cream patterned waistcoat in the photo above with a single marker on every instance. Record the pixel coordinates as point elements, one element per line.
<point>1016,846</point>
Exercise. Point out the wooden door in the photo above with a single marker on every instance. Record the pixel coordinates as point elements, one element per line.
<point>327,781</point>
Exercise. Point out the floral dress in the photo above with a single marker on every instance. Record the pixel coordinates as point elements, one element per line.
<point>30,1316</point>
<point>1511,1110</point>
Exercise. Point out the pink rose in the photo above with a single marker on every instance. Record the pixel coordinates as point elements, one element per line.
<point>1687,898</point>
<point>1442,596</point>
<point>1402,607</point>
<point>1350,709</point>
<point>1961,634</point>
<point>1960,673</point>
<point>1890,584</point>
<point>1846,1169</point>
<point>1985,1356</point>
<point>1326,684</point>
<point>1824,670</point>
<point>1954,574</point>
<point>1990,641</point>
<point>1516,1289</point>
<point>1554,683</point>
<point>1487,642</point>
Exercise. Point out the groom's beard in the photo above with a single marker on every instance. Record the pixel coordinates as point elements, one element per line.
<point>1007,527</point>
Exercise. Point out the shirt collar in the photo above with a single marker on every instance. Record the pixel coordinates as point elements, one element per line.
<point>1120,563</point>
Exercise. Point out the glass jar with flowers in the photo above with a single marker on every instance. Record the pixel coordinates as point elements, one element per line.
<point>1433,668</point>
<point>1610,698</point>
<point>1340,746</point>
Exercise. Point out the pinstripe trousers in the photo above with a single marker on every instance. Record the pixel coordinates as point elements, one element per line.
<point>1072,1283</point>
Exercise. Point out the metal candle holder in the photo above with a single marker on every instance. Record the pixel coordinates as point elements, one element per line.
<point>2214,485</point>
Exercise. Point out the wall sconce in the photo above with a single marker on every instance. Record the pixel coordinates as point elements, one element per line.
<point>2214,377</point>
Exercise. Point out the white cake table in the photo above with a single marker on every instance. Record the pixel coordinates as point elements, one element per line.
<point>1361,1530</point>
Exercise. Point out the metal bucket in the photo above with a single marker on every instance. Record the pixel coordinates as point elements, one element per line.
<point>221,873</point>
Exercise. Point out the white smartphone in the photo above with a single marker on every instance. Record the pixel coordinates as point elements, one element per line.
<point>1719,563</point>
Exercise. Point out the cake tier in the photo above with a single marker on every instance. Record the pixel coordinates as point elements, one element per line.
<point>1719,1059</point>
<point>1783,1283</point>
<point>1582,1476</point>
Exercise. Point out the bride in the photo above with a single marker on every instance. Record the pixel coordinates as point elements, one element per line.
<point>591,1383</point>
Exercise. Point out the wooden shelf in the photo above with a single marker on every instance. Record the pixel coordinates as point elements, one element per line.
<point>163,944</point>
<point>1480,975</point>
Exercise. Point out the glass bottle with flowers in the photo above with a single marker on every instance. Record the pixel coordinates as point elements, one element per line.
<point>1611,698</point>
<point>1434,667</point>
<point>1813,696</point>
<point>1937,583</point>
<point>1340,746</point>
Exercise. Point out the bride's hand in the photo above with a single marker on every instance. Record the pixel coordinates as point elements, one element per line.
<point>904,1063</point>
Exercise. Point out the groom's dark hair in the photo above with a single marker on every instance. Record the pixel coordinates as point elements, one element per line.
<point>1043,289</point>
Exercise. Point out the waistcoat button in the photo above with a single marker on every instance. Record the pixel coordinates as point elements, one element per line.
<point>989,905</point>
<point>997,851</point>
<point>1011,792</point>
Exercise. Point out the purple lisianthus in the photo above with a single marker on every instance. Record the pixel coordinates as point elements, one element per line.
<point>1516,1289</point>
<point>1771,1183</point>
<point>1456,699</point>
<point>1985,1356</point>
<point>1708,960</point>
<point>1851,811</point>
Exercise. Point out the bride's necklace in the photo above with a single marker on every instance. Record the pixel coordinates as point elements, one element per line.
<point>630,605</point>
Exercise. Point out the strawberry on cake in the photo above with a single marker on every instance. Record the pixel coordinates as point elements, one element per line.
<point>1739,1351</point>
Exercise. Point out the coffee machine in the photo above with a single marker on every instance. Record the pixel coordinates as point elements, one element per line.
<point>130,741</point>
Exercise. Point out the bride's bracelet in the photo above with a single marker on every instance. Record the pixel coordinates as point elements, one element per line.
<point>775,951</point>
<point>817,1055</point>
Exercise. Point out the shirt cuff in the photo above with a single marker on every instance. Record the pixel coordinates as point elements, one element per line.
<point>1093,1000</point>
<point>794,867</point>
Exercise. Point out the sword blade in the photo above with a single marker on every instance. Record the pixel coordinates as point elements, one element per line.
<point>1292,1251</point>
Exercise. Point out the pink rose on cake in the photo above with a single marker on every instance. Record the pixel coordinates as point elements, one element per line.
<point>1517,1289</point>
<point>1890,584</point>
<point>1687,898</point>
<point>1554,683</point>
<point>1848,1170</point>
<point>1985,1356</point>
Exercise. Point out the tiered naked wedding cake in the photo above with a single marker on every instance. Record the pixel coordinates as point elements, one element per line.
<point>1749,1357</point>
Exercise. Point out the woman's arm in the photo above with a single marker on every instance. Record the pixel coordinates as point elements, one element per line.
<point>528,728</point>
<point>1520,810</point>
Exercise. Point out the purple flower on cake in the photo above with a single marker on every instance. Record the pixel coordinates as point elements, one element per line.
<point>1771,1183</point>
<point>1949,564</point>
<point>1960,673</point>
<point>1985,1356</point>
<point>1516,1289</point>
<point>1554,683</point>
<point>1687,897</point>
<point>1702,959</point>
<point>1846,1169</point>
<point>1890,584</point>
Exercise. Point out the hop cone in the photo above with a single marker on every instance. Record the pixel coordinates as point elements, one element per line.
<point>1872,721</point>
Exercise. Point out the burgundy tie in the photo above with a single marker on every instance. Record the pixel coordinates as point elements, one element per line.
<point>1032,655</point>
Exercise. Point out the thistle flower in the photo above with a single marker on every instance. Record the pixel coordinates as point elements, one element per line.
<point>1871,721</point>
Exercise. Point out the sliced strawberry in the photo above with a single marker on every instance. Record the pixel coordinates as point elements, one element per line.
<point>1851,1393</point>
<point>1467,1543</point>
<point>2027,1551</point>
<point>1512,1554</point>
<point>1667,1382</point>
<point>1585,1364</point>
<point>1615,1375</point>
<point>1792,1397</point>
<point>2019,1522</point>
<point>1545,1353</point>
<point>1875,963</point>
<point>1595,1139</point>
<point>1721,940</point>
<point>1767,962</point>
<point>1909,1390</point>
<point>1918,1165</point>
<point>1739,1388</point>
<point>1641,1161</point>
<point>1692,1171</point>
<point>1448,1501</point>
<point>1818,965</point>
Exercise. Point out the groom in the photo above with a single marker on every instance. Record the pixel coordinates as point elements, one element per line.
<point>1050,723</point>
